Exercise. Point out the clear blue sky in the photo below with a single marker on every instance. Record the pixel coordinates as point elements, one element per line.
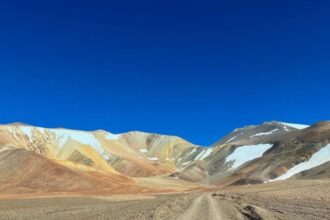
<point>196,69</point>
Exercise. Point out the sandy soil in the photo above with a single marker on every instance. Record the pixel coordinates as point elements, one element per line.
<point>303,199</point>
<point>297,199</point>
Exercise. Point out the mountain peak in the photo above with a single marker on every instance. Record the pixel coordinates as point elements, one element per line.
<point>292,125</point>
<point>270,149</point>
<point>253,134</point>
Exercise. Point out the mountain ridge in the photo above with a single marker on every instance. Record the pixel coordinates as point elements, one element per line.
<point>252,154</point>
<point>153,133</point>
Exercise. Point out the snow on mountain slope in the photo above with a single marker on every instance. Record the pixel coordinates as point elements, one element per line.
<point>143,150</point>
<point>133,153</point>
<point>255,134</point>
<point>63,135</point>
<point>203,154</point>
<point>247,153</point>
<point>231,139</point>
<point>297,126</point>
<point>265,133</point>
<point>317,159</point>
<point>111,136</point>
<point>27,131</point>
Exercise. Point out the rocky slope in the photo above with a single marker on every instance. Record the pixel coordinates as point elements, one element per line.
<point>62,160</point>
<point>54,159</point>
<point>268,152</point>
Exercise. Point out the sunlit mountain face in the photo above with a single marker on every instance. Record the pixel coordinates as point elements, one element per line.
<point>35,159</point>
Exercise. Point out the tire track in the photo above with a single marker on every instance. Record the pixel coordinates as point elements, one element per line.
<point>204,207</point>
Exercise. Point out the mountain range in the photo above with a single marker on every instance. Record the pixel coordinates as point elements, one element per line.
<point>41,160</point>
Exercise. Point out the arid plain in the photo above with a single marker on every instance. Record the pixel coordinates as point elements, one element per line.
<point>299,199</point>
<point>274,170</point>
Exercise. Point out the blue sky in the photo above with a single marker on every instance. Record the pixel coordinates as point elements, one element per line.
<point>196,69</point>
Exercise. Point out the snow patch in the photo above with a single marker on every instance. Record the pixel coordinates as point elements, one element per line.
<point>27,131</point>
<point>143,150</point>
<point>41,130</point>
<point>185,163</point>
<point>203,154</point>
<point>317,159</point>
<point>12,131</point>
<point>247,153</point>
<point>191,152</point>
<point>62,136</point>
<point>111,136</point>
<point>265,133</point>
<point>231,139</point>
<point>153,158</point>
<point>297,126</point>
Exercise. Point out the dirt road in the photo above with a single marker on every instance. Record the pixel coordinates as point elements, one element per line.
<point>201,206</point>
<point>286,200</point>
<point>208,208</point>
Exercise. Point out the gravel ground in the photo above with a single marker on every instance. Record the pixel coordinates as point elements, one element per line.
<point>303,199</point>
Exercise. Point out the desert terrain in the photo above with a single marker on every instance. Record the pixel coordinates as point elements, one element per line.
<point>164,110</point>
<point>274,170</point>
<point>294,199</point>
